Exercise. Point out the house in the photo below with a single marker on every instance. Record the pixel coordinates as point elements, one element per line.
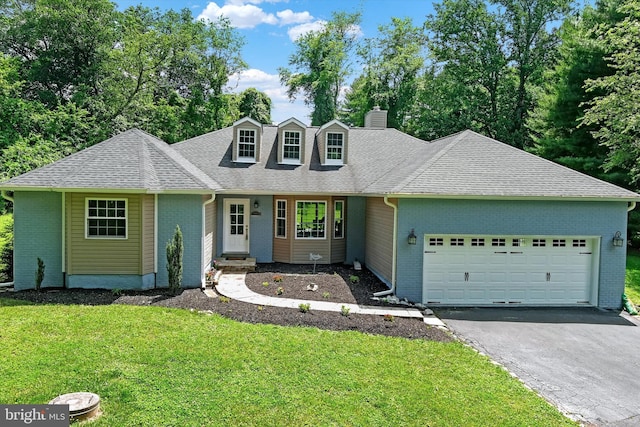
<point>462,220</point>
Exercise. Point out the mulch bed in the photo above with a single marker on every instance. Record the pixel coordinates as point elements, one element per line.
<point>334,280</point>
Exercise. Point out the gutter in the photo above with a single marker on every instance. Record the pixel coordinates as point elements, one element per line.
<point>394,255</point>
<point>203,280</point>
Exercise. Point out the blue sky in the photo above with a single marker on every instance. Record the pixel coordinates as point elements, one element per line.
<point>271,26</point>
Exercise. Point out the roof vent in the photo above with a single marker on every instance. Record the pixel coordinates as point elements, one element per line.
<point>376,118</point>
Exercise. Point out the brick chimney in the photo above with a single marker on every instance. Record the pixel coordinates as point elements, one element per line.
<point>376,118</point>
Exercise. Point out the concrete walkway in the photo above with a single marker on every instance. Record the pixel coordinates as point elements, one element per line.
<point>233,286</point>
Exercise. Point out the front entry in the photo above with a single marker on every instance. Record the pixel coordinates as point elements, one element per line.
<point>236,226</point>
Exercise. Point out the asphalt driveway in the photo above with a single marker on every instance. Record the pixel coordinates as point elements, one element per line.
<point>585,361</point>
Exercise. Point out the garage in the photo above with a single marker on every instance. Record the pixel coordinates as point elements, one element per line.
<point>509,270</point>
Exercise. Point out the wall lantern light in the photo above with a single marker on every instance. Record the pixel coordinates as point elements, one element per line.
<point>256,205</point>
<point>617,239</point>
<point>413,239</point>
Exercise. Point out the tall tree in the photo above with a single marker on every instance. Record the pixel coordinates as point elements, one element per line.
<point>255,104</point>
<point>531,49</point>
<point>616,113</point>
<point>555,124</point>
<point>391,66</point>
<point>321,66</point>
<point>62,44</point>
<point>492,55</point>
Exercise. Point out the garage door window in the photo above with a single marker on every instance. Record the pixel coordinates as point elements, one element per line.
<point>579,243</point>
<point>457,242</point>
<point>498,242</point>
<point>539,243</point>
<point>559,243</point>
<point>477,242</point>
<point>436,241</point>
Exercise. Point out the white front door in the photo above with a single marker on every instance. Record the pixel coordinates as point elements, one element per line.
<point>236,226</point>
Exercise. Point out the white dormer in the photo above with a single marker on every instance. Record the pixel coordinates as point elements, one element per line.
<point>247,136</point>
<point>291,142</point>
<point>333,139</point>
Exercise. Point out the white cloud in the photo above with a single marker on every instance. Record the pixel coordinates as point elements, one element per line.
<point>282,108</point>
<point>241,15</point>
<point>299,30</point>
<point>288,17</point>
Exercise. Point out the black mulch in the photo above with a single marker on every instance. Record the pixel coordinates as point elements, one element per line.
<point>334,283</point>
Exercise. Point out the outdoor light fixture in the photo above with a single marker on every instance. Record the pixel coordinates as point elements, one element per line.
<point>256,205</point>
<point>617,239</point>
<point>412,237</point>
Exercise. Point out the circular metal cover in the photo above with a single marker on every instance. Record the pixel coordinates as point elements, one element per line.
<point>81,404</point>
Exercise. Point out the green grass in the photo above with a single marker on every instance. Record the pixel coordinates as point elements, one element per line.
<point>632,280</point>
<point>157,367</point>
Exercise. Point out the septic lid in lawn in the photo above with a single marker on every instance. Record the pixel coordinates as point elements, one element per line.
<point>82,405</point>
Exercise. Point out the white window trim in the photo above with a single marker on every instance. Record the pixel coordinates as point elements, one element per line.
<point>284,145</point>
<point>246,159</point>
<point>333,162</point>
<point>126,219</point>
<point>335,204</point>
<point>325,220</point>
<point>275,225</point>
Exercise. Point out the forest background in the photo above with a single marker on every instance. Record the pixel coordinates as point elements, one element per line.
<point>547,76</point>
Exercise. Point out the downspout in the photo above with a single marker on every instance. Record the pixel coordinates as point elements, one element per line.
<point>7,196</point>
<point>394,251</point>
<point>203,280</point>
<point>64,239</point>
<point>632,206</point>
<point>155,240</point>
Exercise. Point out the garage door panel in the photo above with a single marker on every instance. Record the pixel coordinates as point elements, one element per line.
<point>508,269</point>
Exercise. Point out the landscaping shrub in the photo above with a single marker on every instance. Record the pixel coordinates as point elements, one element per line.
<point>175,251</point>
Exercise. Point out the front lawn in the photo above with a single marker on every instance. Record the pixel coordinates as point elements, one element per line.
<point>157,367</point>
<point>632,282</point>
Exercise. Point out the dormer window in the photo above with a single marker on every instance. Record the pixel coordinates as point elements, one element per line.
<point>332,140</point>
<point>335,148</point>
<point>246,141</point>
<point>246,144</point>
<point>291,141</point>
<point>291,148</point>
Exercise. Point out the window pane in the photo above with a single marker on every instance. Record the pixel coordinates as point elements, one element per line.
<point>106,218</point>
<point>338,229</point>
<point>310,219</point>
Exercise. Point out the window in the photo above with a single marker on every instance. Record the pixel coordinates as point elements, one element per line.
<point>477,242</point>
<point>311,220</point>
<point>338,220</point>
<point>559,243</point>
<point>334,148</point>
<point>539,243</point>
<point>281,218</point>
<point>579,243</point>
<point>291,147</point>
<point>457,241</point>
<point>436,241</point>
<point>498,242</point>
<point>106,218</point>
<point>246,144</point>
<point>518,242</point>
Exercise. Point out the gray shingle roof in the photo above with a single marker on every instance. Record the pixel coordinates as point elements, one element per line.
<point>386,161</point>
<point>380,161</point>
<point>470,164</point>
<point>132,160</point>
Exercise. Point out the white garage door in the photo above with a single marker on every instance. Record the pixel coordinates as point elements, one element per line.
<point>528,270</point>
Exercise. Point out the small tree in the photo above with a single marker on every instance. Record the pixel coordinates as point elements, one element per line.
<point>39,274</point>
<point>175,250</point>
